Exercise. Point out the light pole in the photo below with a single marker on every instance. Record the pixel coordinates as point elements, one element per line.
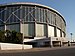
<point>71,38</point>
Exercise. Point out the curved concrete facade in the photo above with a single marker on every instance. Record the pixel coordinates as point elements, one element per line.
<point>33,20</point>
<point>36,19</point>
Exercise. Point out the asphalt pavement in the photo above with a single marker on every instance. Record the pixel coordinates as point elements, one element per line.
<point>54,51</point>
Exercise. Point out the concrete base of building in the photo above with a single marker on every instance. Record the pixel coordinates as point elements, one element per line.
<point>9,46</point>
<point>46,42</point>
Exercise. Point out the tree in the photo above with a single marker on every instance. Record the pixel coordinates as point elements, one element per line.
<point>16,37</point>
<point>19,37</point>
<point>2,36</point>
<point>8,37</point>
<point>11,36</point>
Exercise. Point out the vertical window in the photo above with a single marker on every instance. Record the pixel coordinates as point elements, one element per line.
<point>2,28</point>
<point>53,19</point>
<point>17,14</point>
<point>44,15</point>
<point>26,14</point>
<point>57,18</point>
<point>31,29</point>
<point>49,16</point>
<point>27,29</point>
<point>38,14</point>
<point>15,27</point>
<point>41,15</point>
<point>7,14</point>
<point>0,15</point>
<point>29,15</point>
<point>3,14</point>
<point>33,14</point>
<point>12,15</point>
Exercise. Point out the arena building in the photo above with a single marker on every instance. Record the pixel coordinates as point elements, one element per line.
<point>41,25</point>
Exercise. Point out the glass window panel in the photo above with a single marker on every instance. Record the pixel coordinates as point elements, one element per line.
<point>38,14</point>
<point>2,28</point>
<point>29,14</point>
<point>33,14</point>
<point>53,18</point>
<point>7,14</point>
<point>44,16</point>
<point>24,29</point>
<point>17,13</point>
<point>14,17</point>
<point>41,15</point>
<point>27,29</point>
<point>23,13</point>
<point>15,27</point>
<point>31,29</point>
<point>57,20</point>
<point>12,20</point>
<point>49,16</point>
<point>2,15</point>
<point>26,14</point>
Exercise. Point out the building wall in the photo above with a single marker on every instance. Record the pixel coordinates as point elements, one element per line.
<point>58,33</point>
<point>32,20</point>
<point>10,46</point>
<point>39,30</point>
<point>50,31</point>
<point>27,29</point>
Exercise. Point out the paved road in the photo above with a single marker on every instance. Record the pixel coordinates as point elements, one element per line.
<point>63,51</point>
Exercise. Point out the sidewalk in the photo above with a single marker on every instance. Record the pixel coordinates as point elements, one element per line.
<point>35,49</point>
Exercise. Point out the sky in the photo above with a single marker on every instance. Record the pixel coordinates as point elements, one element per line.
<point>65,7</point>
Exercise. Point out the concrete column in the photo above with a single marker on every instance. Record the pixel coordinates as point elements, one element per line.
<point>5,27</point>
<point>35,23</point>
<point>51,44</point>
<point>55,32</point>
<point>68,43</point>
<point>47,30</point>
<point>60,43</point>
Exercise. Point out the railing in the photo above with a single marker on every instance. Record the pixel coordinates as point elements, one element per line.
<point>63,39</point>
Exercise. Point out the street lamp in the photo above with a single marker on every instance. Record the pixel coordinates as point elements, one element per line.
<point>71,38</point>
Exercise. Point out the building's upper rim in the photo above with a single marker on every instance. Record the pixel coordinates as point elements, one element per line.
<point>36,4</point>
